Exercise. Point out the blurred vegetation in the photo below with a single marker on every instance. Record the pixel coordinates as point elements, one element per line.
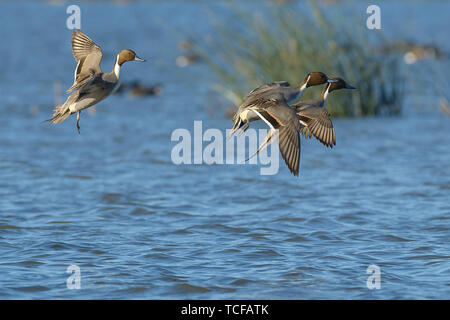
<point>287,42</point>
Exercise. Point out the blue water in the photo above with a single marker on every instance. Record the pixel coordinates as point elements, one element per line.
<point>111,202</point>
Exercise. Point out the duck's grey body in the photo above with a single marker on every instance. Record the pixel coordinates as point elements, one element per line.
<point>301,105</point>
<point>278,87</point>
<point>258,96</point>
<point>94,91</point>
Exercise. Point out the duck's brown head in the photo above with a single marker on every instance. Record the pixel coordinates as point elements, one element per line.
<point>339,84</point>
<point>127,55</point>
<point>316,78</point>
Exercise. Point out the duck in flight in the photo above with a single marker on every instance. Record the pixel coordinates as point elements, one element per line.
<point>314,117</point>
<point>270,103</point>
<point>257,97</point>
<point>91,85</point>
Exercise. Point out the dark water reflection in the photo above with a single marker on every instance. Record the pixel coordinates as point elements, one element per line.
<point>110,200</point>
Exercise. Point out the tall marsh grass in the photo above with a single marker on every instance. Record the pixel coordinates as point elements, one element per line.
<point>288,41</point>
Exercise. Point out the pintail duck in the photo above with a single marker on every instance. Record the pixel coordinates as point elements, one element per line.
<point>91,84</point>
<point>270,103</point>
<point>314,117</point>
<point>258,96</point>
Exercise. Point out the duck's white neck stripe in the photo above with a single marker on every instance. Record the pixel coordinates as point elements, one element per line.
<point>303,88</point>
<point>325,95</point>
<point>117,67</point>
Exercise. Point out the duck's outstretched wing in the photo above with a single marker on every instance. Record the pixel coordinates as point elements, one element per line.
<point>288,133</point>
<point>283,118</point>
<point>289,145</point>
<point>316,121</point>
<point>88,56</point>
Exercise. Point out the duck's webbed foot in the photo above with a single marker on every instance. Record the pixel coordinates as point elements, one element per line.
<point>78,121</point>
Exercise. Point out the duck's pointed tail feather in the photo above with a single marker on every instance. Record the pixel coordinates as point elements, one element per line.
<point>60,113</point>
